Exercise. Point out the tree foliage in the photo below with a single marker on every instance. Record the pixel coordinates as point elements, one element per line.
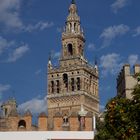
<point>122,119</point>
<point>118,118</point>
<point>136,108</point>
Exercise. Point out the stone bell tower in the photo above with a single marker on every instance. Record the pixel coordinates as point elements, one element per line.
<point>74,82</point>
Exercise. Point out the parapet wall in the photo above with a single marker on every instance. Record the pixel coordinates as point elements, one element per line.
<point>126,71</point>
<point>24,123</point>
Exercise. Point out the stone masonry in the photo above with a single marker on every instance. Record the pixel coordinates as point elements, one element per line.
<point>126,80</point>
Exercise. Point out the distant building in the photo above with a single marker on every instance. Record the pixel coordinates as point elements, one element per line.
<point>72,97</point>
<point>126,80</point>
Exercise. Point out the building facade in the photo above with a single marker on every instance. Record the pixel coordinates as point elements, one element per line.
<point>127,80</point>
<point>72,96</point>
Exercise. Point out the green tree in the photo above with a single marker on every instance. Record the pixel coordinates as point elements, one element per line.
<point>119,122</point>
<point>122,118</point>
<point>102,132</point>
<point>119,118</point>
<point>136,107</point>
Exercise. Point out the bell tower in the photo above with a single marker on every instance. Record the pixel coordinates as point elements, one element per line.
<point>74,82</point>
<point>72,37</point>
<point>73,40</point>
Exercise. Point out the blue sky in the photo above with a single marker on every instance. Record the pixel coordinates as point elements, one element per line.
<point>30,29</point>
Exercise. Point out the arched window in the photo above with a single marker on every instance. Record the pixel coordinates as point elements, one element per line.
<point>70,49</point>
<point>74,26</point>
<point>72,84</point>
<point>78,83</point>
<point>6,111</point>
<point>22,124</point>
<point>57,85</point>
<point>65,80</point>
<point>65,119</point>
<point>52,86</point>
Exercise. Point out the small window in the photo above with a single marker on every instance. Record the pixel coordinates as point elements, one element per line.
<point>58,85</point>
<point>6,111</point>
<point>52,86</point>
<point>65,119</point>
<point>70,49</point>
<point>78,83</point>
<point>65,80</point>
<point>22,124</point>
<point>72,84</point>
<point>74,26</point>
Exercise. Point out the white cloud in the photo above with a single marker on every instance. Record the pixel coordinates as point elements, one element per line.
<point>39,26</point>
<point>133,59</point>
<point>110,64</point>
<point>9,13</point>
<point>112,32</point>
<point>118,4</point>
<point>3,88</point>
<point>35,105</point>
<point>7,47</point>
<point>91,46</point>
<point>18,53</point>
<point>4,44</point>
<point>10,17</point>
<point>56,55</point>
<point>137,31</point>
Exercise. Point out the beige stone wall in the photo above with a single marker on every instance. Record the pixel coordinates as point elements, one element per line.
<point>58,121</point>
<point>137,68</point>
<point>74,124</point>
<point>13,122</point>
<point>88,124</point>
<point>42,124</point>
<point>126,81</point>
<point>28,120</point>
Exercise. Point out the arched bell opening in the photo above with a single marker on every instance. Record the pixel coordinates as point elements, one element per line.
<point>70,49</point>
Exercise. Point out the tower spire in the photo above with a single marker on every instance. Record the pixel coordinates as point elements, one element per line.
<point>49,62</point>
<point>96,64</point>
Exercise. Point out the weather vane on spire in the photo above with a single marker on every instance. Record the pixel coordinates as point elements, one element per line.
<point>73,2</point>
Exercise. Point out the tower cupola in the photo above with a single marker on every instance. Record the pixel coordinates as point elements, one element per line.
<point>73,39</point>
<point>73,21</point>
